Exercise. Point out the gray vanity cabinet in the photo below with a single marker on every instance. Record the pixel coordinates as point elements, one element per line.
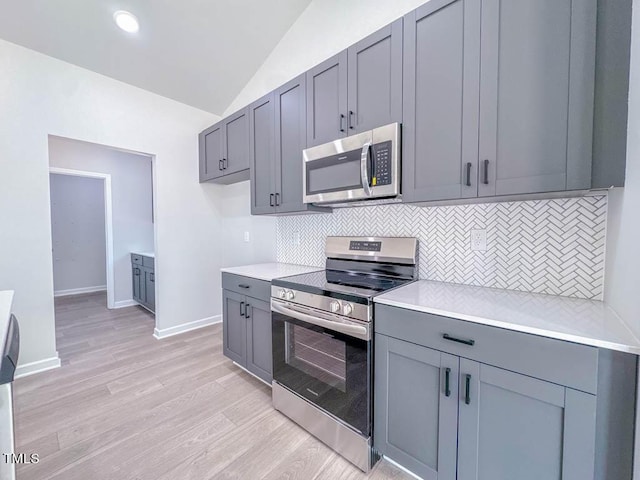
<point>416,407</point>
<point>536,95</point>
<point>144,281</point>
<point>514,426</point>
<point>224,150</point>
<point>326,98</point>
<point>374,74</point>
<point>441,89</point>
<point>246,324</point>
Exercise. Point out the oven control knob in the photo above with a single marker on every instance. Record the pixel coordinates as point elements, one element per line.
<point>334,306</point>
<point>282,294</point>
<point>347,308</point>
<point>290,295</point>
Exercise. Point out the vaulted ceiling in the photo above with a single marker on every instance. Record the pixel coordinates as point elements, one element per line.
<point>198,52</point>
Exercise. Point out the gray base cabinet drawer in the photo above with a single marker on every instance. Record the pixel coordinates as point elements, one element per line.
<point>251,287</point>
<point>564,363</point>
<point>136,259</point>
<point>246,327</point>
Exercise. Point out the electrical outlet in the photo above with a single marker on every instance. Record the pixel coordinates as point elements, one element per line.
<point>247,237</point>
<point>479,240</point>
<point>296,238</point>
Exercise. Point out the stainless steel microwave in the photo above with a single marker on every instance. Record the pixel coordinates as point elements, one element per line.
<point>359,167</point>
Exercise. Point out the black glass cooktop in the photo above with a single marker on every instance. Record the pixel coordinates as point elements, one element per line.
<point>328,282</point>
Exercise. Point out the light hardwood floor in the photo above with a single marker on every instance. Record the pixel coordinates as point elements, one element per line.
<point>127,406</point>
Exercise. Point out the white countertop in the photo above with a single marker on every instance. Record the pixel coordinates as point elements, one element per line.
<point>269,271</point>
<point>145,254</point>
<point>588,322</point>
<point>6,301</point>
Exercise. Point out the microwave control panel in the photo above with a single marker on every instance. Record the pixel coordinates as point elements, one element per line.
<point>381,174</point>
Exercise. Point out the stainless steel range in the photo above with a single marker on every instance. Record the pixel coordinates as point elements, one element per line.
<point>322,326</point>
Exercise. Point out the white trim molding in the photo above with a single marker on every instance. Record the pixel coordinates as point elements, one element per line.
<point>124,304</point>
<point>79,291</point>
<point>186,327</point>
<point>37,367</point>
<point>108,220</point>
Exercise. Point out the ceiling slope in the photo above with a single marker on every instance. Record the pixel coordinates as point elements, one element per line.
<point>198,52</point>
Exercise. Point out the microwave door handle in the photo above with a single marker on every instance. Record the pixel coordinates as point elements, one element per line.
<point>320,320</point>
<point>364,168</point>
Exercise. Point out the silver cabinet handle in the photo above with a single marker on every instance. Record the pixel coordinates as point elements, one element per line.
<point>364,168</point>
<point>320,319</point>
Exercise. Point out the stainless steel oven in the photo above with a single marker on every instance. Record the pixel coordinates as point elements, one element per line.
<point>359,167</point>
<point>322,337</point>
<point>324,358</point>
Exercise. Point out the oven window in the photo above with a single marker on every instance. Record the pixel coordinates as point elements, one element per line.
<point>319,355</point>
<point>336,173</point>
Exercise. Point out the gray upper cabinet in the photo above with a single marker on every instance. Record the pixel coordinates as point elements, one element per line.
<point>261,153</point>
<point>375,80</point>
<point>416,415</point>
<point>514,426</point>
<point>441,89</point>
<point>327,100</point>
<point>536,95</point>
<point>224,150</point>
<point>211,152</point>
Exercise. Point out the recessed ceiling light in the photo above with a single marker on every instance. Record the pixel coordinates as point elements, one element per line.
<point>126,21</point>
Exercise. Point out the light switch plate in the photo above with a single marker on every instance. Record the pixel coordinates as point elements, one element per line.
<point>247,237</point>
<point>479,240</point>
<point>296,238</point>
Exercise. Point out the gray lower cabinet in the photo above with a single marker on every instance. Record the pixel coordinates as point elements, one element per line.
<point>224,150</point>
<point>498,98</point>
<point>514,426</point>
<point>457,400</point>
<point>143,281</point>
<point>246,324</point>
<point>416,407</point>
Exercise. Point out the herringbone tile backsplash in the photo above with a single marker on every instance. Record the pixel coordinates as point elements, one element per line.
<point>544,246</point>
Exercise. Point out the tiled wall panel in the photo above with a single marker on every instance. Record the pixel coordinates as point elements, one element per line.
<point>544,246</point>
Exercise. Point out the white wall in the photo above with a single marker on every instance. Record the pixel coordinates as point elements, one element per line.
<point>325,28</point>
<point>78,233</point>
<point>42,96</point>
<point>131,195</point>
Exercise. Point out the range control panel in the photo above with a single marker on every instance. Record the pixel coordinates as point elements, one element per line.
<point>363,246</point>
<point>381,174</point>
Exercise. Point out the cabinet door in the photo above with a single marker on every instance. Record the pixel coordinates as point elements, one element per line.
<point>211,152</point>
<point>327,100</point>
<point>261,153</point>
<point>236,143</point>
<point>259,348</point>
<point>234,327</point>
<point>536,98</point>
<point>137,278</point>
<point>440,100</point>
<point>416,407</point>
<point>514,426</point>
<point>375,80</point>
<point>291,139</point>
<point>150,289</point>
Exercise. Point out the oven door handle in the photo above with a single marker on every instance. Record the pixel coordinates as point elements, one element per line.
<point>364,168</point>
<point>346,327</point>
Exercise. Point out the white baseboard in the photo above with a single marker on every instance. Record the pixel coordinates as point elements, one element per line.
<point>78,291</point>
<point>125,303</point>
<point>36,367</point>
<point>186,327</point>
